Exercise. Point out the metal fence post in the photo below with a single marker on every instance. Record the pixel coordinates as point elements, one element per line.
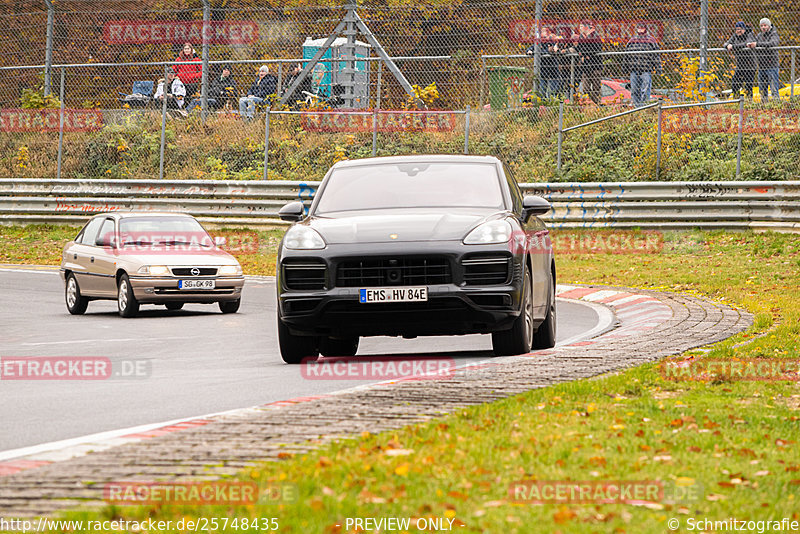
<point>378,89</point>
<point>793,78</point>
<point>483,80</point>
<point>658,142</point>
<point>739,141</point>
<point>560,133</point>
<point>466,130</point>
<point>374,132</point>
<point>266,141</point>
<point>204,74</point>
<point>61,126</point>
<point>48,51</point>
<point>703,35</point>
<point>165,90</point>
<point>537,50</point>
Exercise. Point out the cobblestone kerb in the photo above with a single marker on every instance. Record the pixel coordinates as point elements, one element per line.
<point>651,326</point>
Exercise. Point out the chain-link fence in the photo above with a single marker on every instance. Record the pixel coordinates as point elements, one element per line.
<point>102,61</point>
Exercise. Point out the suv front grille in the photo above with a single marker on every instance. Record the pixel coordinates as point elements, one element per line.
<point>399,271</point>
<point>201,271</point>
<point>485,271</point>
<point>304,275</point>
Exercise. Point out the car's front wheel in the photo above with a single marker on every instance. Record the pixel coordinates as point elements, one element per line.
<point>329,346</point>
<point>230,306</point>
<point>519,338</point>
<point>76,304</point>
<point>295,349</point>
<point>127,304</point>
<point>545,337</point>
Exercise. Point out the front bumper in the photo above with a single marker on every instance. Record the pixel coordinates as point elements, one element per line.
<point>453,308</point>
<point>150,290</point>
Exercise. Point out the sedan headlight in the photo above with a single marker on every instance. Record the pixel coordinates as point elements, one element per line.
<point>230,270</point>
<point>303,238</point>
<point>497,231</point>
<point>154,270</point>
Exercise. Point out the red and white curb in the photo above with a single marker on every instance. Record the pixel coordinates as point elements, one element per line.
<point>634,313</point>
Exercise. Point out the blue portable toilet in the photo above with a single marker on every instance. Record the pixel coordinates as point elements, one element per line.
<point>326,74</point>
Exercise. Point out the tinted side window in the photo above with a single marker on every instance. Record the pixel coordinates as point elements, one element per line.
<point>90,232</point>
<point>516,194</point>
<point>107,229</point>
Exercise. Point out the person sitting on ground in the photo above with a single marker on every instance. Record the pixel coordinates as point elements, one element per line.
<point>745,75</point>
<point>175,91</point>
<point>265,85</point>
<point>222,90</point>
<point>189,68</point>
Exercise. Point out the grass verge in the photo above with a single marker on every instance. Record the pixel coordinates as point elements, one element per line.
<point>733,445</point>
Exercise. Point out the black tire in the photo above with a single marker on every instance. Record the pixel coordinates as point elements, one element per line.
<point>338,347</point>
<point>230,306</point>
<point>519,338</point>
<point>295,349</point>
<point>174,306</point>
<point>127,304</point>
<point>545,336</point>
<point>76,304</point>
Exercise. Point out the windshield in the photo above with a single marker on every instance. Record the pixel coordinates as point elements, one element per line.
<point>162,230</point>
<point>411,185</point>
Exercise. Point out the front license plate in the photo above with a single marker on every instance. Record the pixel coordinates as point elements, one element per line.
<point>196,284</point>
<point>393,294</point>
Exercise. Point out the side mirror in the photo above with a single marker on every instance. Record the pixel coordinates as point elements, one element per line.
<point>293,211</point>
<point>533,205</point>
<point>105,240</point>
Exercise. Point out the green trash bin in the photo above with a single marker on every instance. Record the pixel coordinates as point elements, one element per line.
<point>506,86</point>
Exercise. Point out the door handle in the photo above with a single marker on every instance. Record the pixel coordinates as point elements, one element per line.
<point>74,256</point>
<point>92,259</point>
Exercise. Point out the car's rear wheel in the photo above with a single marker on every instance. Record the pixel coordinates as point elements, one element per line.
<point>329,346</point>
<point>545,336</point>
<point>295,349</point>
<point>230,306</point>
<point>127,304</point>
<point>519,338</point>
<point>174,306</point>
<point>76,304</point>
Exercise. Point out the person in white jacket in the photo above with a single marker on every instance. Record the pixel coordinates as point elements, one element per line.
<point>177,92</point>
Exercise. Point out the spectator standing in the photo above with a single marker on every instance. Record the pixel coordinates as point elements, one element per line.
<point>561,48</point>
<point>175,93</point>
<point>642,62</point>
<point>189,68</point>
<point>767,59</point>
<point>745,75</point>
<point>551,78</point>
<point>266,84</point>
<point>590,64</point>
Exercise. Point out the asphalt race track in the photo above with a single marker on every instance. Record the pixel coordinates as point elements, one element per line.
<point>199,361</point>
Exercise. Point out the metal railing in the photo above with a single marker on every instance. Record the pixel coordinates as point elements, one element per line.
<point>660,205</point>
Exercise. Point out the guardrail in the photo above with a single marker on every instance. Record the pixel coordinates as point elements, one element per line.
<point>663,205</point>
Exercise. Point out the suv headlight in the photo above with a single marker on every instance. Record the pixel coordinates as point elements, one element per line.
<point>154,270</point>
<point>303,238</point>
<point>230,270</point>
<point>497,231</point>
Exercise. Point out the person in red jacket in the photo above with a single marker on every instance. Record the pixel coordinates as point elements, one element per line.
<point>189,69</point>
